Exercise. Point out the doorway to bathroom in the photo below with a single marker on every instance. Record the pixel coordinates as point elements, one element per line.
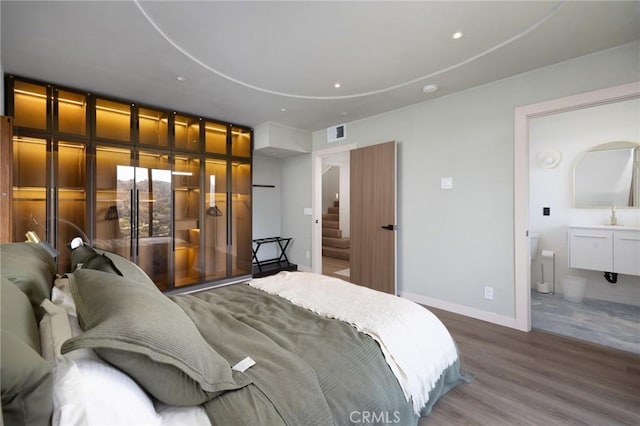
<point>551,137</point>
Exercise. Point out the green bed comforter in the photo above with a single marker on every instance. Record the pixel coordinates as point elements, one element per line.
<point>309,370</point>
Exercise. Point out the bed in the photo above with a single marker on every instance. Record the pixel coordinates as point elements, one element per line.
<point>102,345</point>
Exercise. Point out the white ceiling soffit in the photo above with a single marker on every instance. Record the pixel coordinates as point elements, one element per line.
<point>253,62</point>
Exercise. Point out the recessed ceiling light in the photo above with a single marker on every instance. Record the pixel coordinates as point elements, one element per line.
<point>283,109</point>
<point>180,78</point>
<point>457,35</point>
<point>430,88</point>
<point>337,85</point>
<point>344,113</point>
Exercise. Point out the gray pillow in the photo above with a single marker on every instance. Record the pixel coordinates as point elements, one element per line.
<point>87,258</point>
<point>26,378</point>
<point>27,384</point>
<point>143,333</point>
<point>16,315</point>
<point>129,269</point>
<point>90,258</point>
<point>81,254</point>
<point>31,268</point>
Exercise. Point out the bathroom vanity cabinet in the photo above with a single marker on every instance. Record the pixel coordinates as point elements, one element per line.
<point>605,248</point>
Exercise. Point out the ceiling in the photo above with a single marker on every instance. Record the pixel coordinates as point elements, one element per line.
<point>255,62</point>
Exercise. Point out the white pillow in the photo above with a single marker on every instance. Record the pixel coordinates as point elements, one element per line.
<point>67,396</point>
<point>181,416</point>
<point>61,296</point>
<point>88,391</point>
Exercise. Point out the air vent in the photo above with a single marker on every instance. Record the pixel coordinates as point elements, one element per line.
<point>336,133</point>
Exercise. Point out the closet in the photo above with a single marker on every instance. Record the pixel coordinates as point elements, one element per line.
<point>170,191</point>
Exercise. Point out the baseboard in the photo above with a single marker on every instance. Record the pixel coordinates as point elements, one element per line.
<point>461,309</point>
<point>304,268</point>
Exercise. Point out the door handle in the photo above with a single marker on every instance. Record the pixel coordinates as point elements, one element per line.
<point>389,227</point>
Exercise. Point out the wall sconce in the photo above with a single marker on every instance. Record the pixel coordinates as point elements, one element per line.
<point>549,159</point>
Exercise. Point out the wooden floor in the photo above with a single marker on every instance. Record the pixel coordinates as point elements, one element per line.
<point>331,265</point>
<point>537,378</point>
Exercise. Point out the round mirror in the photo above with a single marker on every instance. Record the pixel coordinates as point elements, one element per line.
<point>607,175</point>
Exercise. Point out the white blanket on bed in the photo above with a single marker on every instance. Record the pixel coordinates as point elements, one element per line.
<point>415,344</point>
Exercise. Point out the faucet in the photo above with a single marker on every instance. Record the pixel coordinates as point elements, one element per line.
<point>614,219</point>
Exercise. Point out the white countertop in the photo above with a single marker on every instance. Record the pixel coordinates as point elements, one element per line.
<point>609,227</point>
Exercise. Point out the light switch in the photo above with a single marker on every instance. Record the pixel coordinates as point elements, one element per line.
<point>307,211</point>
<point>446,183</point>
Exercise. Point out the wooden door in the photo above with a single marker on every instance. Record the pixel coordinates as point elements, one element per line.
<point>373,217</point>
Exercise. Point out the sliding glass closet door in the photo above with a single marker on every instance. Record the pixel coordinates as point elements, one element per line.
<point>70,203</point>
<point>31,195</point>
<point>187,202</point>
<point>227,219</point>
<point>134,208</point>
<point>152,216</point>
<point>215,220</point>
<point>114,183</point>
<point>50,192</point>
<point>240,227</point>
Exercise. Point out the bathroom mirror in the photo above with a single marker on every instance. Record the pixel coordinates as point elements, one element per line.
<point>607,175</point>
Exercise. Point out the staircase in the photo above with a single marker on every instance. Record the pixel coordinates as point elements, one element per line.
<point>333,245</point>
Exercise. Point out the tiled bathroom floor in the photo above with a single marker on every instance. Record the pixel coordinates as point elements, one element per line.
<point>606,323</point>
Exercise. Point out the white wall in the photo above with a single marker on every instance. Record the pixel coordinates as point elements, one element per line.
<point>330,186</point>
<point>274,137</point>
<point>296,196</point>
<point>267,203</point>
<point>451,243</point>
<point>573,133</point>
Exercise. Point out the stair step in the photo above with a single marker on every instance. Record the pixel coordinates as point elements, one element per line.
<point>336,253</point>
<point>334,224</point>
<point>329,232</point>
<point>333,210</point>
<point>335,242</point>
<point>336,203</point>
<point>331,217</point>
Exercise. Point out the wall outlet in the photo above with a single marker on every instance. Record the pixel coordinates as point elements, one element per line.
<point>307,255</point>
<point>488,292</point>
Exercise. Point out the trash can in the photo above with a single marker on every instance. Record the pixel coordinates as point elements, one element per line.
<point>573,288</point>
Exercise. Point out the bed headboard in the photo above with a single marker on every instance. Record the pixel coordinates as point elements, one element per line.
<point>27,274</point>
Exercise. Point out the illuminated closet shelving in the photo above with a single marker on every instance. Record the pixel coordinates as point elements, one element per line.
<point>170,191</point>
